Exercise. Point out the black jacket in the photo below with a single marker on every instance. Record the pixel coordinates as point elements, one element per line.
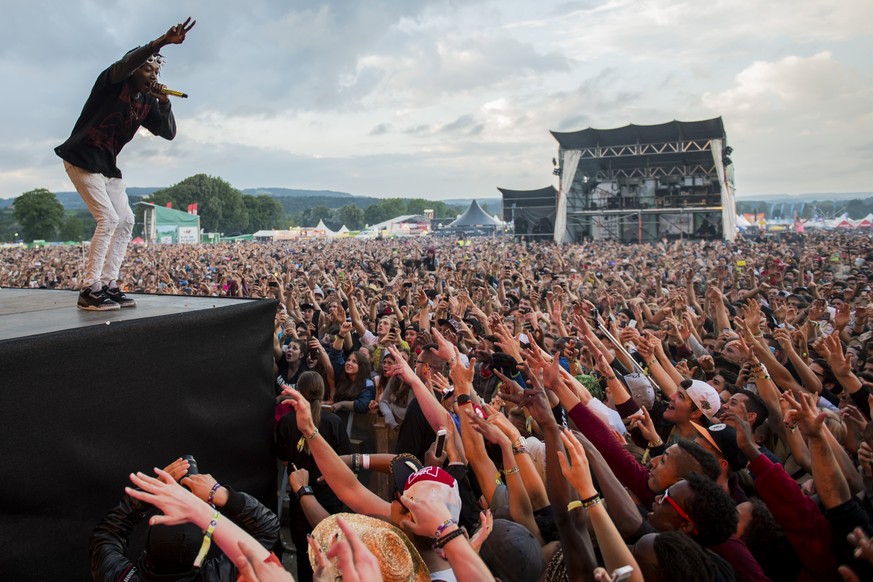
<point>111,117</point>
<point>110,538</point>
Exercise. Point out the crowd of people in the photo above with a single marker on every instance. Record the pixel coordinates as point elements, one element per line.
<point>685,410</point>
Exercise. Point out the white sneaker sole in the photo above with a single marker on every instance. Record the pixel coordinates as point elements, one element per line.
<point>100,308</point>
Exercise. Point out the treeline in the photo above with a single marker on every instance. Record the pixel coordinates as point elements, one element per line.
<point>38,214</point>
<point>855,208</point>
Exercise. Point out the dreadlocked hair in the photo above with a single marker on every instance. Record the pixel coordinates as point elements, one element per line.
<point>681,559</point>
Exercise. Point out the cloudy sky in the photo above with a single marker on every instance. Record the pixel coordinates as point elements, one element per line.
<point>447,98</point>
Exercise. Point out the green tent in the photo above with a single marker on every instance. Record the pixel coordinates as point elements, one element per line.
<point>169,226</point>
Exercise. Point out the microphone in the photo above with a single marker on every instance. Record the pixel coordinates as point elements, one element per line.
<point>166,91</point>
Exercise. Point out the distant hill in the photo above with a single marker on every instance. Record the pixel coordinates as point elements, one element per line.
<point>293,193</point>
<point>72,200</point>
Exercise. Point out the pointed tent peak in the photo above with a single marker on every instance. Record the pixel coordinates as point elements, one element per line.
<point>321,227</point>
<point>475,216</point>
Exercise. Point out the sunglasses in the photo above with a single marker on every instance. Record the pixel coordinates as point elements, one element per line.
<point>666,497</point>
<point>156,60</point>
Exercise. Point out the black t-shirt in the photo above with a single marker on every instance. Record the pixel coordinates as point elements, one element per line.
<point>283,371</point>
<point>332,429</point>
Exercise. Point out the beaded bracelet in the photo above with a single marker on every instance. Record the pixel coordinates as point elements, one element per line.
<point>211,498</point>
<point>441,543</point>
<point>207,540</point>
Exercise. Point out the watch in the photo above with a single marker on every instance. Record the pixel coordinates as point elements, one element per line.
<point>463,399</point>
<point>305,490</point>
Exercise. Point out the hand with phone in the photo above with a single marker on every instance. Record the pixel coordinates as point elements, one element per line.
<point>436,454</point>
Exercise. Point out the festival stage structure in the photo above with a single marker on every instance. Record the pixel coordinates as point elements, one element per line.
<point>532,212</point>
<point>89,397</point>
<point>643,183</point>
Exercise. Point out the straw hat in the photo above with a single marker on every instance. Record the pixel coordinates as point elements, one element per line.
<point>398,558</point>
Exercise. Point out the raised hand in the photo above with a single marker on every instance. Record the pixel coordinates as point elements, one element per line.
<point>486,524</point>
<point>809,419</point>
<point>176,34</point>
<point>177,504</point>
<point>642,420</point>
<point>576,469</point>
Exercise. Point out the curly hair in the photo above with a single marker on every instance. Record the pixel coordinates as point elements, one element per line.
<point>680,558</point>
<point>712,510</point>
<point>769,545</point>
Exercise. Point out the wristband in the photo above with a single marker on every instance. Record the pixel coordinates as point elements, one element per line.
<point>305,490</point>
<point>366,461</point>
<point>211,498</point>
<point>658,443</point>
<point>443,527</point>
<point>313,435</point>
<point>463,399</point>
<point>574,505</point>
<point>591,501</point>
<point>511,471</point>
<point>207,540</point>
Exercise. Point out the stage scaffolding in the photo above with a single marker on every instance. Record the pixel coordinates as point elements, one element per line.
<point>645,183</point>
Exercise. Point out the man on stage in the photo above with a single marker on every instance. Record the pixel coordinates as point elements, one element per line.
<point>124,97</point>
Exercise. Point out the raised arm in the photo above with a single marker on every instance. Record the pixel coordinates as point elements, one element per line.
<point>615,552</point>
<point>339,477</point>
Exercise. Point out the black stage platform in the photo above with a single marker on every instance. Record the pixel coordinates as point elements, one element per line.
<point>83,404</point>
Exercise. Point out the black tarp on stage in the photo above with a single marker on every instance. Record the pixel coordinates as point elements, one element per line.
<point>83,404</point>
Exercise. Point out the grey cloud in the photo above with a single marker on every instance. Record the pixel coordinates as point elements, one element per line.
<point>381,129</point>
<point>463,122</point>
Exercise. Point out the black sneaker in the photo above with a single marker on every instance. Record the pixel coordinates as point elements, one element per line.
<point>96,301</point>
<point>118,296</point>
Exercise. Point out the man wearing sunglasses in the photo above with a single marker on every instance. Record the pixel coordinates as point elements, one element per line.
<point>125,96</point>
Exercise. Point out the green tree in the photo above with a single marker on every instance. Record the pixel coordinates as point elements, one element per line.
<point>39,213</point>
<point>8,225</point>
<point>312,215</point>
<point>220,205</point>
<point>265,212</point>
<point>352,216</point>
<point>72,229</point>
<point>385,210</point>
<point>418,205</point>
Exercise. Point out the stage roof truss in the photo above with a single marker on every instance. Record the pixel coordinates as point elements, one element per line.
<point>655,172</point>
<point>646,149</point>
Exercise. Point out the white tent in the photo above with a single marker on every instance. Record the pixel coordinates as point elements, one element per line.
<point>742,222</point>
<point>323,230</point>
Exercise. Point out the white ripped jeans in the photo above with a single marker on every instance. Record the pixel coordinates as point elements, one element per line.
<point>106,198</point>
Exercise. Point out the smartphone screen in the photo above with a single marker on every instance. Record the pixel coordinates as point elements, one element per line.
<point>440,442</point>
